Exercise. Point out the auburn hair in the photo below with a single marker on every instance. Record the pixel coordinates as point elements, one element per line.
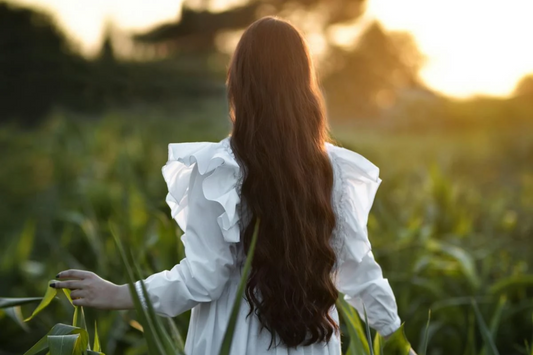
<point>278,138</point>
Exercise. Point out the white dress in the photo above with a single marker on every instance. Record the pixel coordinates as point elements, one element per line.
<point>203,182</point>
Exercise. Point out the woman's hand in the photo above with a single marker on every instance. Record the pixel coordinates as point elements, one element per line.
<point>90,290</point>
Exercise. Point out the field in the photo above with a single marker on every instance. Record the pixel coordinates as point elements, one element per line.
<point>452,221</point>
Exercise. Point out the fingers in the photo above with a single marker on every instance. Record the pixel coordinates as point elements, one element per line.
<point>73,284</point>
<point>77,294</point>
<point>75,274</point>
<point>80,302</point>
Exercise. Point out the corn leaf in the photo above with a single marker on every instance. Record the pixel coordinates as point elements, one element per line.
<point>530,352</point>
<point>465,260</point>
<point>6,302</point>
<point>165,338</point>
<point>495,321</point>
<point>397,343</point>
<point>485,332</point>
<point>424,349</point>
<point>153,342</point>
<point>78,319</point>
<point>58,329</point>
<point>66,291</point>
<point>368,336</point>
<point>176,336</point>
<point>228,336</point>
<point>96,344</point>
<point>378,344</point>
<point>64,344</point>
<point>511,283</point>
<point>48,297</point>
<point>15,313</point>
<point>358,345</point>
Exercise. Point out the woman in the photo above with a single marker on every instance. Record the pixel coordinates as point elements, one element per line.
<point>312,199</point>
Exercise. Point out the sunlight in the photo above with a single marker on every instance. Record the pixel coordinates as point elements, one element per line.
<point>473,47</point>
<point>86,20</point>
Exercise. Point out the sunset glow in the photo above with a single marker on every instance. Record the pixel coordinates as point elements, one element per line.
<point>472,46</point>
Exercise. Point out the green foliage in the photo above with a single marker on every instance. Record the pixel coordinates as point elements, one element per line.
<point>228,336</point>
<point>157,338</point>
<point>397,343</point>
<point>361,342</point>
<point>451,223</point>
<point>358,343</point>
<point>60,338</point>
<point>7,302</point>
<point>48,297</point>
<point>64,339</point>
<point>424,349</point>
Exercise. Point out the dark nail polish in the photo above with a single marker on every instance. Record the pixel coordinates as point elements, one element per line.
<point>57,276</point>
<point>53,285</point>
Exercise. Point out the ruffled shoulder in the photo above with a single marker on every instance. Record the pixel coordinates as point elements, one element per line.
<point>356,181</point>
<point>216,160</point>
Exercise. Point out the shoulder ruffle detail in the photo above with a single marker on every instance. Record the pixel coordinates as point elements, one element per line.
<point>356,181</point>
<point>221,185</point>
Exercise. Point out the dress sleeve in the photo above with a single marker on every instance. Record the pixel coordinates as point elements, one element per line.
<point>359,277</point>
<point>363,284</point>
<point>197,206</point>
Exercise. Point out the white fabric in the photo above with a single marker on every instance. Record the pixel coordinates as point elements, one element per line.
<point>203,182</point>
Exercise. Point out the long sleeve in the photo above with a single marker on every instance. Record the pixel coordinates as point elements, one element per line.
<point>359,276</point>
<point>363,283</point>
<point>202,275</point>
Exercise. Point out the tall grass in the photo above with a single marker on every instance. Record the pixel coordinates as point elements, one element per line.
<point>450,224</point>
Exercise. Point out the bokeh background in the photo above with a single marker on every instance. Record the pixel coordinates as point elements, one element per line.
<point>438,94</point>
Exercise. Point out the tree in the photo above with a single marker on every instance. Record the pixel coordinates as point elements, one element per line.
<point>197,29</point>
<point>524,87</point>
<point>368,78</point>
<point>358,81</point>
<point>34,61</point>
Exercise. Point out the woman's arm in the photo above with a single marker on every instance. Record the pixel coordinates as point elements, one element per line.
<point>200,277</point>
<point>90,290</point>
<point>366,289</point>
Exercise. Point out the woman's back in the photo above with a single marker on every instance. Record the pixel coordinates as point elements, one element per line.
<point>204,182</point>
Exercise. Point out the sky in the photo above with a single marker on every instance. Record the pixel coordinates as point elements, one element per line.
<point>472,47</point>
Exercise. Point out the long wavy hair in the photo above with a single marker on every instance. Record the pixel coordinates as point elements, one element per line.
<point>278,138</point>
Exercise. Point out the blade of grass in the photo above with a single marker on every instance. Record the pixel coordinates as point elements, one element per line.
<point>78,319</point>
<point>48,297</point>
<point>64,344</point>
<point>368,336</point>
<point>150,335</point>
<point>378,344</point>
<point>165,338</point>
<point>58,329</point>
<point>397,343</point>
<point>355,329</point>
<point>470,348</point>
<point>15,313</point>
<point>485,332</point>
<point>96,344</point>
<point>528,349</point>
<point>228,336</point>
<point>530,352</point>
<point>7,302</point>
<point>424,349</point>
<point>176,336</point>
<point>495,321</point>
